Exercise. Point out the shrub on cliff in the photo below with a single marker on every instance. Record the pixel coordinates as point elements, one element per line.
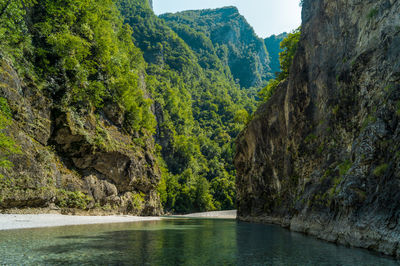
<point>289,46</point>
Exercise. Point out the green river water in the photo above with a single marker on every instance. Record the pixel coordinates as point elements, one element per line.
<point>175,242</point>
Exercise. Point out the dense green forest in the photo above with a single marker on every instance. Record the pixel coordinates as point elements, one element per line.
<point>224,34</point>
<point>200,111</point>
<point>175,78</point>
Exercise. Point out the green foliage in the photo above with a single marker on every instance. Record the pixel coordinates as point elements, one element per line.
<point>335,109</point>
<point>289,46</point>
<point>398,108</point>
<point>371,118</point>
<point>344,167</point>
<point>224,192</point>
<point>84,52</point>
<point>137,200</point>
<point>14,40</point>
<point>86,44</point>
<point>380,170</point>
<point>311,137</point>
<point>203,109</point>
<point>7,144</point>
<point>72,199</point>
<point>267,92</point>
<point>242,116</point>
<point>372,13</point>
<point>333,191</point>
<point>224,40</point>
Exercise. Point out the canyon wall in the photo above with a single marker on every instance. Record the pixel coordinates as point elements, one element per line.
<point>322,155</point>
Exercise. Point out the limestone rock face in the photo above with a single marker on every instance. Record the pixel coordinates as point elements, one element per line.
<point>74,160</point>
<point>322,155</point>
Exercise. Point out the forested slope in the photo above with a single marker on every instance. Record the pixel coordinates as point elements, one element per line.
<point>199,109</point>
<point>272,44</point>
<point>224,34</point>
<point>105,108</point>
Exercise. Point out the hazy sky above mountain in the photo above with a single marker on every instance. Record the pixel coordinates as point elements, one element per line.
<point>266,16</point>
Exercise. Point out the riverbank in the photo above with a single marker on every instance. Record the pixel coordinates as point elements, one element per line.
<point>24,221</point>
<point>215,215</point>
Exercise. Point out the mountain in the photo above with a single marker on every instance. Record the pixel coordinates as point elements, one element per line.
<point>226,35</point>
<point>273,47</point>
<point>321,156</point>
<point>104,108</point>
<point>199,110</point>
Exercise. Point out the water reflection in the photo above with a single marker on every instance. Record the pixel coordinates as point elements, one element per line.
<point>175,242</point>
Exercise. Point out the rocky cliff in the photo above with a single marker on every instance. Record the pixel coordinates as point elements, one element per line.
<point>322,155</point>
<point>71,161</point>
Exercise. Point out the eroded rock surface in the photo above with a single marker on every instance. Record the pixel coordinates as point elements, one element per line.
<point>322,156</point>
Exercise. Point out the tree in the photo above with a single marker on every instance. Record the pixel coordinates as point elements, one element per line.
<point>14,37</point>
<point>289,46</point>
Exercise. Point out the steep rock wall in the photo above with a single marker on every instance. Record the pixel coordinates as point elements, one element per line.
<point>72,162</point>
<point>322,155</point>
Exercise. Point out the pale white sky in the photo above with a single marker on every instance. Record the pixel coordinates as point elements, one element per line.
<point>266,16</point>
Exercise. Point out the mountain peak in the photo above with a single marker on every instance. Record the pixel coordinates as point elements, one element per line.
<point>230,8</point>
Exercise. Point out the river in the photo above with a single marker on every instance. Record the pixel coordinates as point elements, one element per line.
<point>176,242</point>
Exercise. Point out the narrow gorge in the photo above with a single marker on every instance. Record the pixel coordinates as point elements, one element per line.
<point>321,156</point>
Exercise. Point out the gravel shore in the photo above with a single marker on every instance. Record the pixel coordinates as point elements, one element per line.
<point>217,214</point>
<point>21,221</point>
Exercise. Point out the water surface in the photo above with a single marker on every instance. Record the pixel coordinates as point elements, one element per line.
<point>176,242</point>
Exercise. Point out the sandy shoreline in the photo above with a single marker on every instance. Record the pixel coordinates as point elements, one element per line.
<point>217,215</point>
<point>24,221</point>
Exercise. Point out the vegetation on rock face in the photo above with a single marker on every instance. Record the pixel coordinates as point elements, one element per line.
<point>7,144</point>
<point>289,48</point>
<point>14,37</point>
<point>87,46</point>
<point>76,59</point>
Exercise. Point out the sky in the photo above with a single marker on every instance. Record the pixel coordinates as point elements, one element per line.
<point>266,16</point>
